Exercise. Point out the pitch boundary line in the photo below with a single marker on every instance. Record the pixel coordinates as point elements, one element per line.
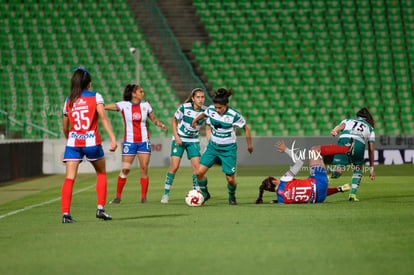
<point>14,212</point>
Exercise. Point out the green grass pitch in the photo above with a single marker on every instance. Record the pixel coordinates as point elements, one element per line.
<point>373,236</point>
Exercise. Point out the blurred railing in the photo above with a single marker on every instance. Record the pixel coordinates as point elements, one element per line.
<point>181,63</point>
<point>13,128</point>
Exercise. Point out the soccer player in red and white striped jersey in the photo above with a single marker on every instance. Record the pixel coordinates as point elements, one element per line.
<point>81,112</point>
<point>135,112</point>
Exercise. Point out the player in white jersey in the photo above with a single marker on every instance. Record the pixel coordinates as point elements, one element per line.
<point>222,143</point>
<point>361,129</point>
<point>185,138</point>
<point>135,111</point>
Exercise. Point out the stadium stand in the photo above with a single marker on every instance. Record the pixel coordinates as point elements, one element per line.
<point>300,67</point>
<point>297,67</point>
<point>43,41</point>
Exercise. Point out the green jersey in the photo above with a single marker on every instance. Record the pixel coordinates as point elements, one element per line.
<point>359,130</point>
<point>185,114</point>
<point>223,126</point>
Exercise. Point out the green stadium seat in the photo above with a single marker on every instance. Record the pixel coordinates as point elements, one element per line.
<point>324,39</point>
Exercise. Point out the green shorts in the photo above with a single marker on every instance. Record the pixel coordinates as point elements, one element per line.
<point>226,153</point>
<point>192,148</point>
<point>356,159</point>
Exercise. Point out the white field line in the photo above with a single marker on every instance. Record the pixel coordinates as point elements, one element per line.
<point>14,212</point>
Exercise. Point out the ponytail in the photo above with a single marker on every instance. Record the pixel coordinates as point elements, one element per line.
<point>222,96</point>
<point>366,115</point>
<point>80,81</point>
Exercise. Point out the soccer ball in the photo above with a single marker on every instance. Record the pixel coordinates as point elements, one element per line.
<point>194,198</point>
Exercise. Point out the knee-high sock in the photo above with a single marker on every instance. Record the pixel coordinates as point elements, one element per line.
<point>202,186</point>
<point>356,180</point>
<point>144,187</point>
<point>169,179</point>
<point>231,190</point>
<point>66,198</point>
<point>332,190</point>
<point>194,178</point>
<point>120,186</point>
<point>332,149</point>
<point>101,191</point>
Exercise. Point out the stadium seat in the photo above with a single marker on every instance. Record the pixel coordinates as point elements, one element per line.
<point>334,53</point>
<point>44,66</point>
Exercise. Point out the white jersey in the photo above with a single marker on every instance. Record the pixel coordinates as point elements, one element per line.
<point>135,119</point>
<point>185,114</point>
<point>223,126</point>
<point>359,130</point>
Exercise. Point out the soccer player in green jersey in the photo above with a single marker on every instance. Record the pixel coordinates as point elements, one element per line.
<point>222,143</point>
<point>185,137</point>
<point>361,129</point>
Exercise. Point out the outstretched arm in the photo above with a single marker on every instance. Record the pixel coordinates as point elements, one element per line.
<point>111,107</point>
<point>338,128</point>
<point>196,119</point>
<point>158,123</point>
<point>107,125</point>
<point>298,163</point>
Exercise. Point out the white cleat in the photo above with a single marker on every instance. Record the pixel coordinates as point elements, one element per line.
<point>164,199</point>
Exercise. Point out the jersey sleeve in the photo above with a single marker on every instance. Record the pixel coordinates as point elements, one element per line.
<point>239,121</point>
<point>65,107</point>
<point>179,113</point>
<point>149,111</point>
<point>207,110</point>
<point>372,137</point>
<point>99,99</point>
<point>120,105</point>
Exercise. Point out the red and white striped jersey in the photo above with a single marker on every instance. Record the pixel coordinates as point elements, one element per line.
<point>83,119</point>
<point>135,120</point>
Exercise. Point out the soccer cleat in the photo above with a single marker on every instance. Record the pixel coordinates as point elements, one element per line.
<point>115,201</point>
<point>232,201</point>
<point>352,197</point>
<point>67,219</point>
<point>101,214</point>
<point>351,146</point>
<point>164,199</point>
<point>344,188</point>
<point>206,197</point>
<point>144,200</point>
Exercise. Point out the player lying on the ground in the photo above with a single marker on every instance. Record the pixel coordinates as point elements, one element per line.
<point>314,189</point>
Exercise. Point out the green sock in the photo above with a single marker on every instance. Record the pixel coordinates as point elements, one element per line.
<point>194,178</point>
<point>202,184</point>
<point>356,179</point>
<point>232,191</point>
<point>169,178</point>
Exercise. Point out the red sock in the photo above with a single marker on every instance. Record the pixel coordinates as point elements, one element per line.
<point>120,186</point>
<point>332,190</point>
<point>66,198</point>
<point>144,187</point>
<point>329,150</point>
<point>101,190</point>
